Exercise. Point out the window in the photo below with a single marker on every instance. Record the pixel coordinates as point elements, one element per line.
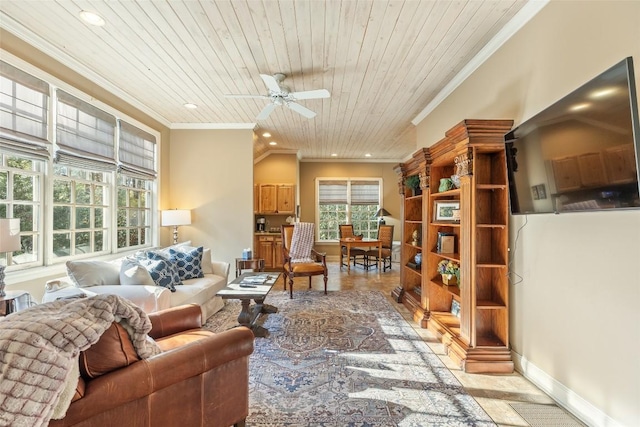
<point>81,180</point>
<point>347,201</point>
<point>134,211</point>
<point>21,197</point>
<point>80,204</point>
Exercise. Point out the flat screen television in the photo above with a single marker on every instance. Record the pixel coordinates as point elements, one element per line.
<point>581,153</point>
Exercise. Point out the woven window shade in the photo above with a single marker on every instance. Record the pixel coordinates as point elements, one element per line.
<point>85,134</point>
<point>332,192</point>
<point>23,112</point>
<point>365,193</point>
<point>136,152</point>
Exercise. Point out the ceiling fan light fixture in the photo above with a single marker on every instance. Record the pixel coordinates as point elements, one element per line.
<point>279,95</point>
<point>92,18</point>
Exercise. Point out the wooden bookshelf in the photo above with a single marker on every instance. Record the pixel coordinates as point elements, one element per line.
<point>477,339</point>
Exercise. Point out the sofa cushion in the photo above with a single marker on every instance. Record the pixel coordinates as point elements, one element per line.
<point>114,350</point>
<point>93,273</point>
<point>188,263</point>
<point>163,272</point>
<point>134,273</point>
<point>198,291</point>
<point>80,388</point>
<point>185,337</point>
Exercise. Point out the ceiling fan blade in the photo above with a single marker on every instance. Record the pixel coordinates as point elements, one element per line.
<point>311,94</point>
<point>245,96</point>
<point>266,111</point>
<point>301,110</point>
<point>271,82</point>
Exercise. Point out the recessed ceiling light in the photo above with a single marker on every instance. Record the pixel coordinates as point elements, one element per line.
<point>273,143</point>
<point>603,93</point>
<point>334,155</point>
<point>266,134</point>
<point>367,155</point>
<point>190,106</point>
<point>578,107</point>
<point>92,18</point>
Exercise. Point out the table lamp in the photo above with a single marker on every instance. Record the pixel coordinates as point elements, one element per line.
<point>9,242</point>
<point>382,212</point>
<point>176,217</point>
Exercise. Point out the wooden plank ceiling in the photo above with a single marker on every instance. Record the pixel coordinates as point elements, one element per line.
<point>382,60</point>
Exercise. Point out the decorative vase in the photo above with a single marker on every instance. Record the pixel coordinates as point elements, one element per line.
<point>418,259</point>
<point>449,279</point>
<point>445,185</point>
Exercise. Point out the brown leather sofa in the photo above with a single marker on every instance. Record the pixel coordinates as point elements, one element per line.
<point>200,379</point>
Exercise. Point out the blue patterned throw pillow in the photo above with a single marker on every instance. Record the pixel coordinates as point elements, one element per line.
<point>189,262</point>
<point>164,272</point>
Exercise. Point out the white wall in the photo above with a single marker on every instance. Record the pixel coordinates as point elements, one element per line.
<point>211,173</point>
<point>575,313</point>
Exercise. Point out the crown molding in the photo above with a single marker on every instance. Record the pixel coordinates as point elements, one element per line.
<point>523,16</point>
<point>216,126</point>
<point>337,160</point>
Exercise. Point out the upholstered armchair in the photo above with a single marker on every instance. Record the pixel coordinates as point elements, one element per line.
<point>300,259</point>
<point>385,235</point>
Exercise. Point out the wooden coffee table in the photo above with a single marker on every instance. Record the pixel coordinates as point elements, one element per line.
<point>247,287</point>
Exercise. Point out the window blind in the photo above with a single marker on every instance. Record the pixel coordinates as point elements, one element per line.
<point>24,103</point>
<point>365,193</point>
<point>85,135</point>
<point>136,151</point>
<point>332,192</point>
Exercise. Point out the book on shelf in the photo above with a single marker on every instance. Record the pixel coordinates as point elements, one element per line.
<point>412,265</point>
<point>446,242</point>
<point>455,308</point>
<point>417,290</point>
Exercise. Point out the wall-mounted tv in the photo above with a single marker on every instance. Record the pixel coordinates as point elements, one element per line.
<point>581,153</point>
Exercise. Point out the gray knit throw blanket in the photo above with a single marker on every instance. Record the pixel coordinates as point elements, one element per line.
<point>39,350</point>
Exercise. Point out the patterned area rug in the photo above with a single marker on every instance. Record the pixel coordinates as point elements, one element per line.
<point>347,359</point>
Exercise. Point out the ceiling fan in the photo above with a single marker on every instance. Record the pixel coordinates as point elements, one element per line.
<point>280,94</point>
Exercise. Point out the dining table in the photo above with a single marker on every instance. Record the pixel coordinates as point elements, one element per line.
<point>350,242</point>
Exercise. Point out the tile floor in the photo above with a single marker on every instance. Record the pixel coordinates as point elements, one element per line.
<point>493,392</point>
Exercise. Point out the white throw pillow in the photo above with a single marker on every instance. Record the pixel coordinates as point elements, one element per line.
<point>207,266</point>
<point>93,273</point>
<point>133,273</point>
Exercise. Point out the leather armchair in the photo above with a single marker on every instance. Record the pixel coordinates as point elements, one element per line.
<point>200,379</point>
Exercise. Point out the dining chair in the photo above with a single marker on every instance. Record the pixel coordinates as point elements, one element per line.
<point>385,235</point>
<point>300,259</point>
<point>345,231</point>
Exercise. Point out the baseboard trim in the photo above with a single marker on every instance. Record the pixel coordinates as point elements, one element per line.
<point>565,397</point>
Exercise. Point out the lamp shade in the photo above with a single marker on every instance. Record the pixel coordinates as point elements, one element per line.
<point>382,212</point>
<point>9,235</point>
<point>176,217</point>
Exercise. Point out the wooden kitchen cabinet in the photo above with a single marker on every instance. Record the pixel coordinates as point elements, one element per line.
<point>620,163</point>
<point>286,199</point>
<point>277,199</point>
<point>269,248</point>
<point>592,172</point>
<point>567,174</point>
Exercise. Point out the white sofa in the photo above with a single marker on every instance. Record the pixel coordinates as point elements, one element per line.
<point>105,279</point>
